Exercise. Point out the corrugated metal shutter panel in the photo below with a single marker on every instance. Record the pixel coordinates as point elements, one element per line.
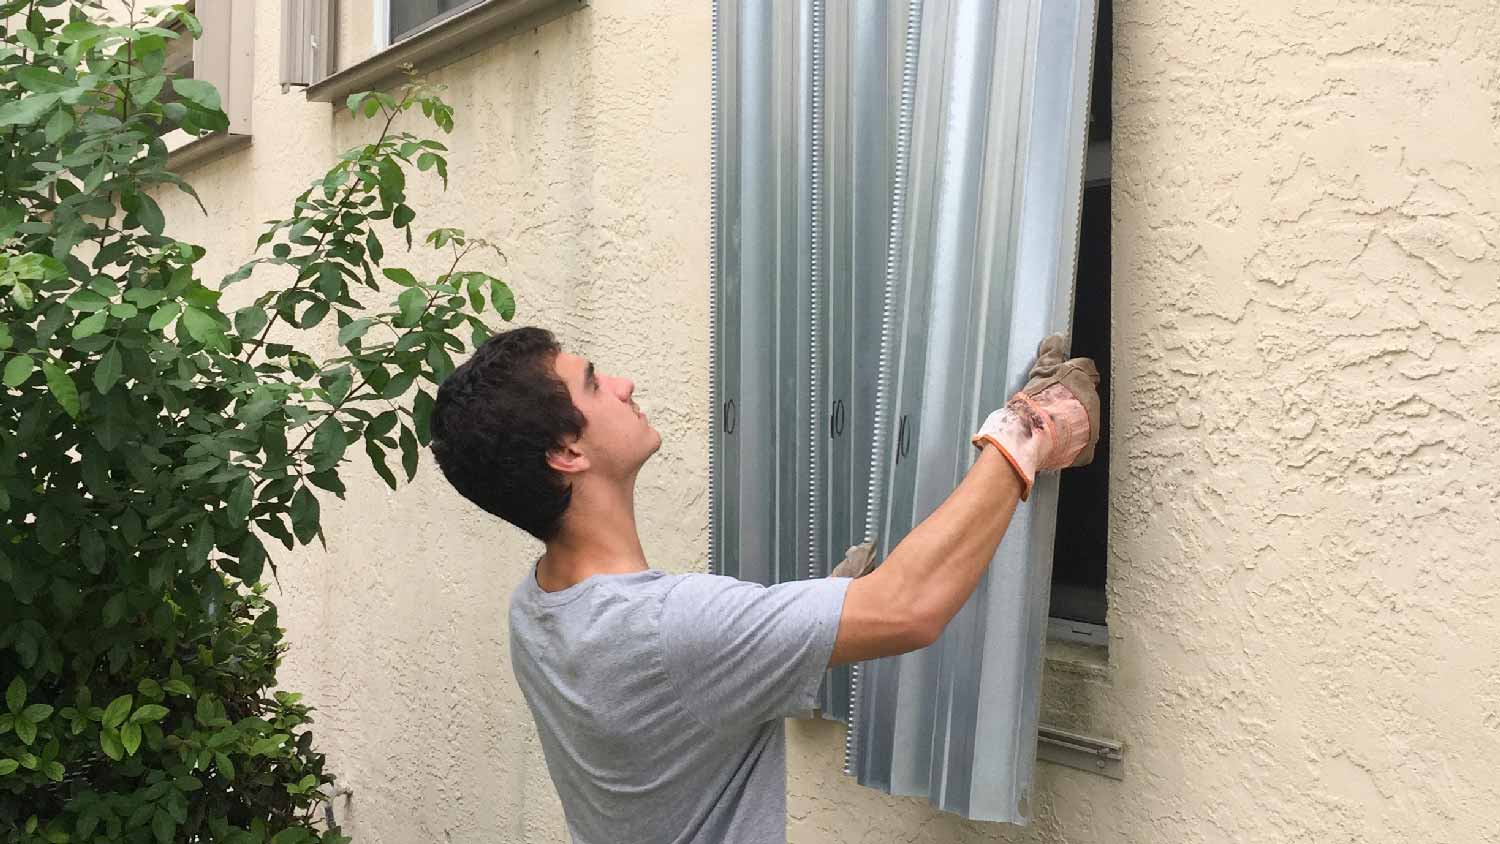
<point>971,116</point>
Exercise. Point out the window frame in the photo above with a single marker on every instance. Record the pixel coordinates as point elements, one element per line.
<point>445,39</point>
<point>381,25</point>
<point>1063,622</point>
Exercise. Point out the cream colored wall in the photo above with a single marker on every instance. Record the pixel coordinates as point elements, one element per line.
<point>1307,392</point>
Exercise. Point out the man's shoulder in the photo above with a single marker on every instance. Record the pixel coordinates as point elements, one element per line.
<point>528,597</point>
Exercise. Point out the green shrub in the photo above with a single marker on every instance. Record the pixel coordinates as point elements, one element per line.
<point>154,445</point>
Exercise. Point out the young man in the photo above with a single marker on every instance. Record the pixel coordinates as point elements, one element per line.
<point>659,698</point>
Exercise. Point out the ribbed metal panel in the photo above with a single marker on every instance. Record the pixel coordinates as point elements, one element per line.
<point>766,302</point>
<point>896,209</point>
<point>307,41</point>
<point>987,264</point>
<point>862,73</point>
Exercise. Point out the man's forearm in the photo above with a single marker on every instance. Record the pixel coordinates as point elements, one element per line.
<point>932,572</point>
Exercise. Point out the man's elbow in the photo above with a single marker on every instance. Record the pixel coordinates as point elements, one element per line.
<point>929,630</point>
<point>920,630</point>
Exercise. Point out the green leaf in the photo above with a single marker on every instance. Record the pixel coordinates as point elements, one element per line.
<point>377,460</point>
<point>400,276</point>
<point>164,316</point>
<point>81,31</point>
<point>382,424</point>
<point>114,714</point>
<point>130,738</point>
<point>354,330</point>
<point>22,296</point>
<point>421,413</point>
<point>7,723</point>
<point>146,90</point>
<point>18,370</point>
<point>408,452</point>
<point>329,444</point>
<point>62,387</point>
<point>330,280</point>
<point>412,302</point>
<point>177,687</point>
<point>26,110</point>
<point>149,214</point>
<point>149,713</point>
<point>240,501</point>
<point>314,314</point>
<point>90,325</point>
<point>504,301</point>
<point>200,325</point>
<point>305,515</point>
<point>37,712</point>
<point>87,822</point>
<point>162,826</point>
<point>252,559</point>
<point>226,767</point>
<point>197,92</point>
<point>87,300</point>
<point>114,609</point>
<point>108,371</point>
<point>54,772</point>
<point>291,835</point>
<point>402,216</point>
<point>250,320</point>
<point>25,731</point>
<point>8,766</point>
<point>42,81</point>
<point>109,742</point>
<point>58,125</point>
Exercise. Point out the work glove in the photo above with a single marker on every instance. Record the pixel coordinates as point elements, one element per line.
<point>858,561</point>
<point>1053,422</point>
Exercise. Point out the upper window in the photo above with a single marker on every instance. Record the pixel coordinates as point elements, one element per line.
<point>425,34</point>
<point>400,19</point>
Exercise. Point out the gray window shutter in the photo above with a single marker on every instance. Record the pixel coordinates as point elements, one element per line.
<point>225,56</point>
<point>307,41</point>
<point>895,229</point>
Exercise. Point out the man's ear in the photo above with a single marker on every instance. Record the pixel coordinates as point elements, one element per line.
<point>567,459</point>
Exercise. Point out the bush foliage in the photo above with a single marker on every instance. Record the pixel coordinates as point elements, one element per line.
<point>156,449</point>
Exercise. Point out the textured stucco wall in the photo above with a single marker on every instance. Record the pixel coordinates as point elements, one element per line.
<point>1307,393</point>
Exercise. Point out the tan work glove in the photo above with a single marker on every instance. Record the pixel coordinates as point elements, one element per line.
<point>858,561</point>
<point>1053,422</point>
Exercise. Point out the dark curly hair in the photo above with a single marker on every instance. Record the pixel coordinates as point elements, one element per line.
<point>494,421</point>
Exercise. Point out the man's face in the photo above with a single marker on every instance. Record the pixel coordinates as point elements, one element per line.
<point>617,439</point>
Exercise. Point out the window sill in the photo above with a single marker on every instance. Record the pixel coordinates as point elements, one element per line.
<point>445,42</point>
<point>188,152</point>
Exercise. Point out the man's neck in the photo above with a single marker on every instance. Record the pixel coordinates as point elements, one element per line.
<point>598,537</point>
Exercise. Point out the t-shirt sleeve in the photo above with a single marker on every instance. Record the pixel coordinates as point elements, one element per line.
<point>741,654</point>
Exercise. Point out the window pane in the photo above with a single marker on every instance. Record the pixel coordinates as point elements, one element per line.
<point>408,16</point>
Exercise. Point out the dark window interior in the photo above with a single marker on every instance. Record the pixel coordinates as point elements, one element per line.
<point>1081,550</point>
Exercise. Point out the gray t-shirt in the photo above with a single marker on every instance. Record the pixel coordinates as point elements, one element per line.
<point>659,699</point>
